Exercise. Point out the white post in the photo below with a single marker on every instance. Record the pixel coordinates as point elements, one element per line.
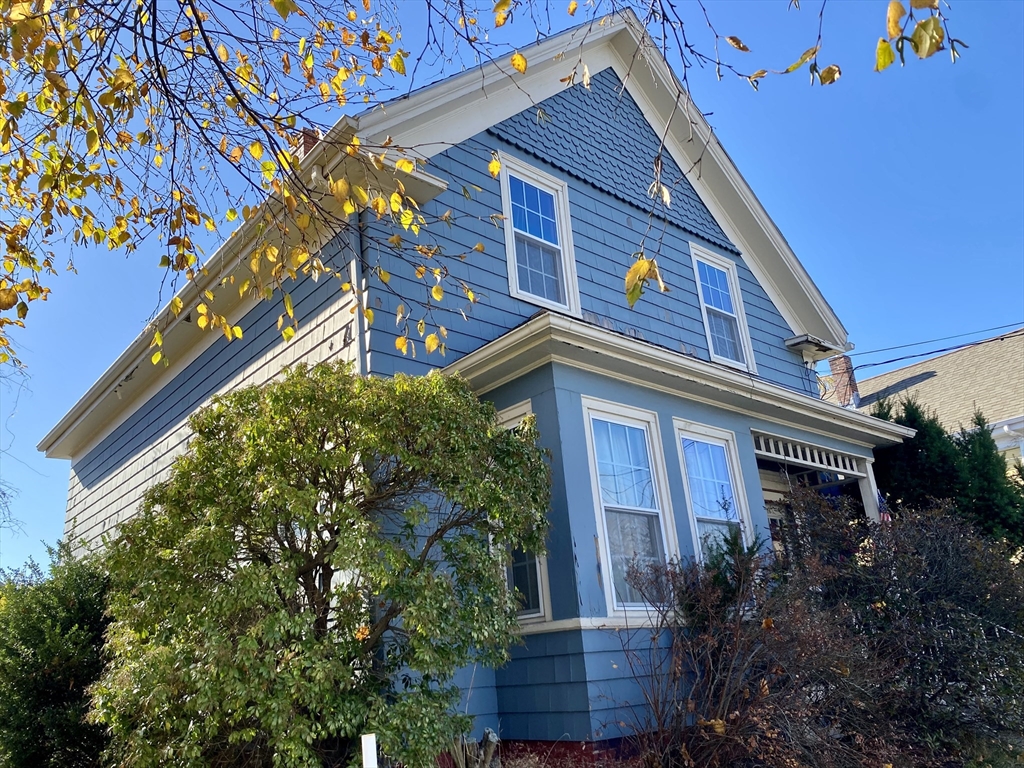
<point>869,493</point>
<point>369,750</point>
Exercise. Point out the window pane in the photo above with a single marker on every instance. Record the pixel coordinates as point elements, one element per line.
<point>725,336</point>
<point>707,470</point>
<point>623,465</point>
<point>515,187</point>
<point>524,580</point>
<point>631,536</point>
<point>711,535</point>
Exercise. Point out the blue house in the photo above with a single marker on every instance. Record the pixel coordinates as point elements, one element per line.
<point>667,423</point>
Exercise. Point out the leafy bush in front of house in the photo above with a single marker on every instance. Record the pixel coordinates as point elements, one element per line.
<point>330,550</point>
<point>51,639</point>
<point>901,643</point>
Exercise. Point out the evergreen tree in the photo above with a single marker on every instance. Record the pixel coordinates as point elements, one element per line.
<point>990,498</point>
<point>965,468</point>
<point>918,472</point>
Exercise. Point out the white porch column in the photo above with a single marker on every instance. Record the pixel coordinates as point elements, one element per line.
<point>869,492</point>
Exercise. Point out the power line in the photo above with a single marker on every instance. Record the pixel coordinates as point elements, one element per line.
<point>932,341</point>
<point>934,352</point>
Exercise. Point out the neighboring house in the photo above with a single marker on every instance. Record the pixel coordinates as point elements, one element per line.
<point>666,423</point>
<point>988,376</point>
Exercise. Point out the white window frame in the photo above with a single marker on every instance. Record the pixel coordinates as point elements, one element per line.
<point>508,418</point>
<point>560,190</point>
<point>726,439</point>
<point>647,420</point>
<point>698,254</point>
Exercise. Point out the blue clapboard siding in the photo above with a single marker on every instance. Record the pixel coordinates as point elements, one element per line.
<point>214,367</point>
<point>609,215</point>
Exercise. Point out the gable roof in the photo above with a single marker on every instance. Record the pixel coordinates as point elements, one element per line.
<point>987,376</point>
<point>433,118</point>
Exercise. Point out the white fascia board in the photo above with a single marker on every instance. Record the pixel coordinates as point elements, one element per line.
<point>556,338</point>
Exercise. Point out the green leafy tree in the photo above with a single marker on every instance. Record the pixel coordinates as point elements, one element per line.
<point>326,555</point>
<point>51,641</point>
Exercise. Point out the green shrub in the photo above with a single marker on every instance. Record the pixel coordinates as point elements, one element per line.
<point>51,638</point>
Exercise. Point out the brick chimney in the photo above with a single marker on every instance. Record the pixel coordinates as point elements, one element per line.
<point>310,138</point>
<point>845,382</point>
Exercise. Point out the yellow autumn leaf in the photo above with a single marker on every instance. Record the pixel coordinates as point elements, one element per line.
<point>157,357</point>
<point>437,292</point>
<point>830,74</point>
<point>405,165</point>
<point>893,14</point>
<point>929,4</point>
<point>494,167</point>
<point>288,305</point>
<point>368,314</point>
<point>176,305</point>
<point>736,43</point>
<point>302,221</point>
<point>431,343</point>
<point>222,52</point>
<point>256,150</point>
<point>402,344</point>
<point>804,58</point>
<point>398,63</point>
<point>884,55</point>
<point>572,7</point>
<point>518,62</point>
<point>384,275</point>
<point>642,270</point>
<point>927,37</point>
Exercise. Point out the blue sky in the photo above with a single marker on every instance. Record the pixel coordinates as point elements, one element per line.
<point>901,192</point>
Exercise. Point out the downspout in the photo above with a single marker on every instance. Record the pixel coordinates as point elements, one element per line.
<point>358,279</point>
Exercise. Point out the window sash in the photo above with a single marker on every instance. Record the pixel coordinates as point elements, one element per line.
<point>630,510</point>
<point>524,577</point>
<point>710,473</point>
<point>722,309</point>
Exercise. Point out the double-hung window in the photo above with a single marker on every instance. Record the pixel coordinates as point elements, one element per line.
<point>629,484</point>
<point>538,237</point>
<point>714,492</point>
<point>722,309</point>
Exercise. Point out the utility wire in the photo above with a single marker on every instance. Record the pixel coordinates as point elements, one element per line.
<point>934,351</point>
<point>932,341</point>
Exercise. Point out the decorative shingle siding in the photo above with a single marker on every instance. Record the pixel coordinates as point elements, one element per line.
<point>107,483</point>
<point>607,229</point>
<point>600,136</point>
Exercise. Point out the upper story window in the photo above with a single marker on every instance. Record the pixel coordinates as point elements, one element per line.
<point>722,309</point>
<point>538,237</point>
<point>714,494</point>
<point>628,471</point>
